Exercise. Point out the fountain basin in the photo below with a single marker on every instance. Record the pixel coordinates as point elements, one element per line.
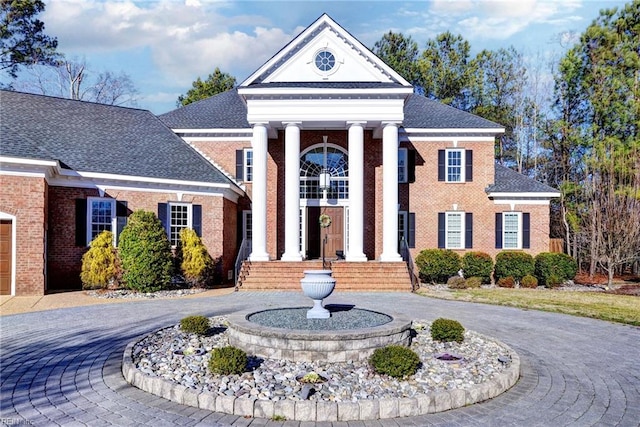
<point>309,345</point>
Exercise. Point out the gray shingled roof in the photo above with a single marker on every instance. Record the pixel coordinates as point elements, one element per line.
<point>424,113</point>
<point>509,181</point>
<point>225,110</point>
<point>228,110</point>
<point>98,138</point>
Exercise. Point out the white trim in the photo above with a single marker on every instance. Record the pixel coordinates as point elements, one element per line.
<point>520,230</point>
<point>514,196</point>
<point>513,202</point>
<point>463,229</point>
<point>447,138</point>
<point>463,164</point>
<point>24,174</point>
<point>189,218</point>
<point>248,131</point>
<point>24,161</point>
<point>215,139</point>
<point>454,130</point>
<point>14,244</point>
<point>89,229</point>
<point>246,150</point>
<point>323,92</point>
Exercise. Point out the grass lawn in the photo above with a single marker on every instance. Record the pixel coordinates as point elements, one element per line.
<point>598,305</point>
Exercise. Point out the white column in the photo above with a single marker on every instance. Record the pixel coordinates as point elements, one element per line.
<point>292,193</point>
<point>259,194</point>
<point>390,193</point>
<point>356,192</point>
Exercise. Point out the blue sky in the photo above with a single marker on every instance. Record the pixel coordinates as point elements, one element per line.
<point>164,45</point>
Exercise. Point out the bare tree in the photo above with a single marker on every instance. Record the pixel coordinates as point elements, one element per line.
<point>75,80</point>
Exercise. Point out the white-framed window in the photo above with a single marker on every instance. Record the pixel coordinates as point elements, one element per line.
<point>101,213</point>
<point>455,158</point>
<point>179,218</point>
<point>454,230</point>
<point>512,230</point>
<point>248,165</point>
<point>403,165</point>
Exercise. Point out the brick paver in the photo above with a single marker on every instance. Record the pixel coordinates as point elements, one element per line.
<point>62,367</point>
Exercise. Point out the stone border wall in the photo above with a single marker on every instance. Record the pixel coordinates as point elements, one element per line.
<point>306,410</point>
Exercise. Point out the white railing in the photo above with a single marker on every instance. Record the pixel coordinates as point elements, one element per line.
<point>243,254</point>
<point>405,253</point>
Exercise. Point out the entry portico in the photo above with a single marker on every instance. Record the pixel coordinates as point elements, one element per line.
<point>325,80</point>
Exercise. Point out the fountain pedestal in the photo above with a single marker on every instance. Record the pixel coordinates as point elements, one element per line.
<point>317,285</point>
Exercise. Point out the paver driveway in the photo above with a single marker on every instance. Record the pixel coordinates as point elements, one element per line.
<point>62,367</point>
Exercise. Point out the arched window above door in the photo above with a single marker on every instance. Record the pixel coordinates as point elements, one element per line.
<point>313,162</point>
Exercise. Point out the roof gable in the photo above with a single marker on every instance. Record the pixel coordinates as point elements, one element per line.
<point>352,61</point>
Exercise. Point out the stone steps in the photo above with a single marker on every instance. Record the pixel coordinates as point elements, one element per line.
<point>350,276</point>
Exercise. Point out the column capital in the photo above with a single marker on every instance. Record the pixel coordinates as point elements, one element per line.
<point>292,123</point>
<point>361,123</point>
<point>387,123</point>
<point>263,124</point>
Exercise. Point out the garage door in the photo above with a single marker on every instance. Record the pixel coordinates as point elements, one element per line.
<point>5,257</point>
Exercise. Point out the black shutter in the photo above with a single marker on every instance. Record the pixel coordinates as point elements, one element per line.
<point>468,164</point>
<point>411,241</point>
<point>162,216</point>
<point>196,219</point>
<point>441,230</point>
<point>468,230</point>
<point>122,212</point>
<point>81,222</point>
<point>239,228</point>
<point>441,165</point>
<point>411,172</point>
<point>526,230</point>
<point>498,231</point>
<point>239,165</point>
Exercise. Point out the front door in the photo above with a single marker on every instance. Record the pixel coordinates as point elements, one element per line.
<point>5,256</point>
<point>316,235</point>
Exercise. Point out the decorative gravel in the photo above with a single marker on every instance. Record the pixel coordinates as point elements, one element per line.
<point>296,318</point>
<point>352,381</point>
<point>129,294</point>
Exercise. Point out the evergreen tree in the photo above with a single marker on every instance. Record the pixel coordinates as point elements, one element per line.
<point>216,83</point>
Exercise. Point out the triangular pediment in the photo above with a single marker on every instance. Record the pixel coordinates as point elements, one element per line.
<point>325,53</point>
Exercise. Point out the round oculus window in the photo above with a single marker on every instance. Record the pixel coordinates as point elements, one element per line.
<point>325,60</point>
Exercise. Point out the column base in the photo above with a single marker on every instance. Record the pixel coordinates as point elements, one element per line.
<point>259,257</point>
<point>391,258</point>
<point>291,257</point>
<point>356,258</point>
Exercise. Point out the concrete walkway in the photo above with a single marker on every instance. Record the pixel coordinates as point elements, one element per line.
<point>62,366</point>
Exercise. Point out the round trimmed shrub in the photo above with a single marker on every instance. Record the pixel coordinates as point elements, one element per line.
<point>228,361</point>
<point>514,264</point>
<point>197,265</point>
<point>506,282</point>
<point>447,330</point>
<point>145,253</point>
<point>100,264</point>
<point>474,282</point>
<point>529,281</point>
<point>557,266</point>
<point>395,360</point>
<point>195,325</point>
<point>437,265</point>
<point>456,282</point>
<point>478,264</point>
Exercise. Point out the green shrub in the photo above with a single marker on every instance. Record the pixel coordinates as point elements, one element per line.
<point>228,361</point>
<point>145,253</point>
<point>529,281</point>
<point>100,264</point>
<point>478,264</point>
<point>437,265</point>
<point>447,330</point>
<point>514,264</point>
<point>474,282</point>
<point>395,360</point>
<point>506,282</point>
<point>560,267</point>
<point>195,325</point>
<point>197,265</point>
<point>456,282</point>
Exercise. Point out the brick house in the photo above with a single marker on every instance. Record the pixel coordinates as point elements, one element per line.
<point>322,128</point>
